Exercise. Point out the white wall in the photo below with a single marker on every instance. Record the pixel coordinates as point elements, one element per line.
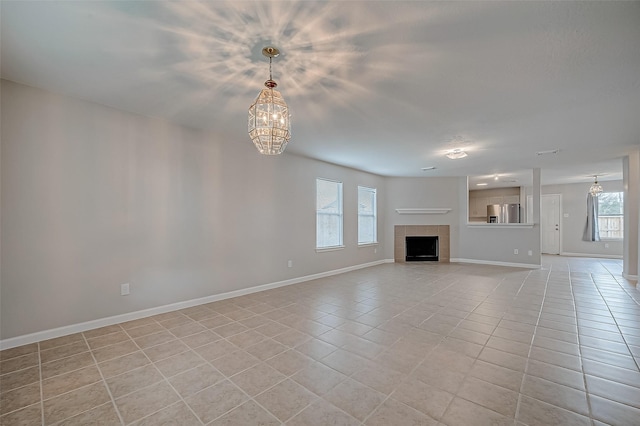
<point>421,193</point>
<point>574,204</point>
<point>631,177</point>
<point>93,197</point>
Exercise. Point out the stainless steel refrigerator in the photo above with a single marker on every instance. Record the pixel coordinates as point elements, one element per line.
<point>503,213</point>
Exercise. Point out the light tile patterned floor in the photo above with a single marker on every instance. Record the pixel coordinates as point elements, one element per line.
<point>395,344</point>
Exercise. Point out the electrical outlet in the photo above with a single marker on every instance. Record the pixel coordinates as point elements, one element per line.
<point>515,251</point>
<point>530,253</point>
<point>606,245</point>
<point>124,289</point>
<point>290,263</point>
<point>375,250</point>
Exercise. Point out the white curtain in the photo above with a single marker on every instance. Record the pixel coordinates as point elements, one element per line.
<point>591,231</point>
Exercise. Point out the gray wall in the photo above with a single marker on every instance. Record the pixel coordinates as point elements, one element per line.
<point>631,176</point>
<point>421,193</point>
<point>93,197</point>
<point>574,204</point>
<point>495,243</point>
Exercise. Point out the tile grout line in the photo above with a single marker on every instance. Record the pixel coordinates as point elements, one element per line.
<point>513,298</point>
<point>225,378</point>
<point>614,318</point>
<point>41,385</point>
<point>584,376</point>
<point>551,290</point>
<point>434,348</point>
<point>104,381</point>
<point>250,398</point>
<point>526,366</point>
<point>350,376</point>
<point>164,378</point>
<point>595,284</point>
<point>70,371</point>
<point>287,377</point>
<point>466,375</point>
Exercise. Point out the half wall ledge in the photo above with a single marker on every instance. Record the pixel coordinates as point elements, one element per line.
<point>436,210</point>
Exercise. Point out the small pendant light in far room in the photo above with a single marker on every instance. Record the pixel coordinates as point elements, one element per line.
<point>596,188</point>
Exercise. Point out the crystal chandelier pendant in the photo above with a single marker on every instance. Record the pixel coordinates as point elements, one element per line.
<point>269,118</point>
<point>596,188</point>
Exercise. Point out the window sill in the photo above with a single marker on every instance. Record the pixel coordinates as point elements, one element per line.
<point>333,248</point>
<point>368,244</point>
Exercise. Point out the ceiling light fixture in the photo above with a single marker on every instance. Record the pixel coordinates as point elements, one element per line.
<point>456,154</point>
<point>596,188</point>
<point>482,184</point>
<point>426,169</point>
<point>269,119</point>
<point>551,151</point>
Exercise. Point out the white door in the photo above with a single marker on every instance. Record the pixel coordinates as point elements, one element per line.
<point>550,223</point>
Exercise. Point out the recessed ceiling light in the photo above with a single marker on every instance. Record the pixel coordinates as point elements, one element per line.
<point>482,184</point>
<point>424,169</point>
<point>551,151</point>
<point>456,154</point>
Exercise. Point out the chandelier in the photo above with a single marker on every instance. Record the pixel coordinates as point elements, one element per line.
<point>269,119</point>
<point>596,188</point>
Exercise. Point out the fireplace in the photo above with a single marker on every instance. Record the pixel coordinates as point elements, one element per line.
<point>421,249</point>
<point>401,232</point>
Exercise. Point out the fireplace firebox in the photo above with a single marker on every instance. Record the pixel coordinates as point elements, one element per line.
<point>421,249</point>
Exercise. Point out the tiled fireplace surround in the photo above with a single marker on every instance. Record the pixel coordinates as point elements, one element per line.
<point>402,231</point>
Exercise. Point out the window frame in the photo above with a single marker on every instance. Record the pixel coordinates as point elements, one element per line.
<point>621,215</point>
<point>340,214</point>
<point>374,215</point>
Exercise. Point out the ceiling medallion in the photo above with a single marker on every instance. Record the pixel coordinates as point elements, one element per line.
<point>269,118</point>
<point>456,154</point>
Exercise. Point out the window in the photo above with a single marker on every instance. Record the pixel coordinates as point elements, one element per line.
<point>328,213</point>
<point>367,215</point>
<point>611,215</point>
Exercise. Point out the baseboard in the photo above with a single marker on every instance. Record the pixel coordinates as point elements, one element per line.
<point>116,319</point>
<point>494,263</point>
<point>604,256</point>
<point>630,277</point>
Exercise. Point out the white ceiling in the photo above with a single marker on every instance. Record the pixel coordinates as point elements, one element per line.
<point>387,87</point>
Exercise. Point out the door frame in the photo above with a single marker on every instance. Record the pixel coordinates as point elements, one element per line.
<point>560,225</point>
